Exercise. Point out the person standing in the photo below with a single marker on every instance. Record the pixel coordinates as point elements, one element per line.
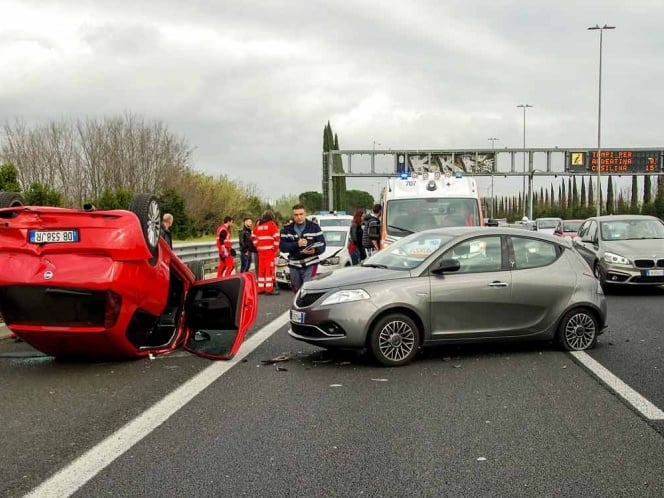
<point>225,248</point>
<point>247,248</point>
<point>371,230</point>
<point>356,249</point>
<point>165,230</point>
<point>304,241</point>
<point>265,236</point>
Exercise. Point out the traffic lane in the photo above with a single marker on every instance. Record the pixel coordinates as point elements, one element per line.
<point>497,420</point>
<point>634,349</point>
<point>53,411</point>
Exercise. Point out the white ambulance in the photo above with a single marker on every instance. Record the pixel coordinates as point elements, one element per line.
<point>414,202</point>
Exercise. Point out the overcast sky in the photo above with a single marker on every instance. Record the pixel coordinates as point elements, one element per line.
<point>251,84</point>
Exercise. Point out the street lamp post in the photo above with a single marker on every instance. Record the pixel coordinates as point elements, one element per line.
<point>524,106</point>
<point>599,116</point>
<point>493,150</point>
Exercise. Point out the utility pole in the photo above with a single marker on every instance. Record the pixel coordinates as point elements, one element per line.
<point>493,168</point>
<point>524,106</point>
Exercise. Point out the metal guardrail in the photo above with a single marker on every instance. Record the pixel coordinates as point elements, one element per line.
<point>203,251</point>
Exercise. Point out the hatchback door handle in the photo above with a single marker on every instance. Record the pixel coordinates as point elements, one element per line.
<point>498,284</point>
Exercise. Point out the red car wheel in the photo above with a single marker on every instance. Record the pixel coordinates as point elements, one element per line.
<point>146,207</point>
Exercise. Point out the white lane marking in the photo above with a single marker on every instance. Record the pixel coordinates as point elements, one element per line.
<point>641,404</point>
<point>71,478</point>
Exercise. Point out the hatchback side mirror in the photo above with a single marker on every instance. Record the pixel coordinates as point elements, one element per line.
<point>446,265</point>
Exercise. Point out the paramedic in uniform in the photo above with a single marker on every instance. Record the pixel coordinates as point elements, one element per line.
<point>265,237</point>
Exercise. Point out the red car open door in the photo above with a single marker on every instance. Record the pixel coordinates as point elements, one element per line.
<point>218,314</point>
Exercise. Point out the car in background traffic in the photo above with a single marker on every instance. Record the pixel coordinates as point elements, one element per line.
<point>98,283</point>
<point>336,253</point>
<point>333,219</point>
<point>547,225</point>
<point>623,249</point>
<point>452,285</point>
<point>568,228</point>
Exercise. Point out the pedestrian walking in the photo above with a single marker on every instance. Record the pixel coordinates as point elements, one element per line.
<point>225,248</point>
<point>304,241</point>
<point>265,236</point>
<point>247,248</point>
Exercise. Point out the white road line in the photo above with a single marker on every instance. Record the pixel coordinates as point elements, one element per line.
<point>71,478</point>
<point>641,404</point>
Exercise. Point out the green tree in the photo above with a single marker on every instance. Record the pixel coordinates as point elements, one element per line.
<point>647,189</point>
<point>634,199</point>
<point>583,202</point>
<point>114,199</point>
<point>610,206</point>
<point>312,201</point>
<point>358,199</point>
<point>39,194</point>
<point>171,202</point>
<point>9,178</point>
<point>659,198</point>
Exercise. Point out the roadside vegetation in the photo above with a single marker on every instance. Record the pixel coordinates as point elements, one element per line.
<point>106,161</point>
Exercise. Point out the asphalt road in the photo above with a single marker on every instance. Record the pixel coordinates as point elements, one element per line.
<point>517,419</point>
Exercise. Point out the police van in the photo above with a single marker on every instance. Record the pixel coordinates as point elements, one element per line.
<point>414,202</point>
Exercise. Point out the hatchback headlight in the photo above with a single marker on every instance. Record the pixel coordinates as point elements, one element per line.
<point>615,259</point>
<point>334,260</point>
<point>346,296</point>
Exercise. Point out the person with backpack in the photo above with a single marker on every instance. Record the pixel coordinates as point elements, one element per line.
<point>371,230</point>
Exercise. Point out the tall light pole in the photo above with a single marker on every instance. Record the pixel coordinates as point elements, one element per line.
<point>599,116</point>
<point>493,150</point>
<point>524,107</point>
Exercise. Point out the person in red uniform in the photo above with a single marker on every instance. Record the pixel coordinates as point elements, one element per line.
<point>225,248</point>
<point>265,236</point>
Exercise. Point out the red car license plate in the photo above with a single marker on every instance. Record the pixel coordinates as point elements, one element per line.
<point>47,236</point>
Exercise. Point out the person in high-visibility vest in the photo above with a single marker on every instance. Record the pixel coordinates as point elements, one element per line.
<point>225,248</point>
<point>265,236</point>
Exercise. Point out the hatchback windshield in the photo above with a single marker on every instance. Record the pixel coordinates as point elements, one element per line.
<point>409,252</point>
<point>632,229</point>
<point>572,226</point>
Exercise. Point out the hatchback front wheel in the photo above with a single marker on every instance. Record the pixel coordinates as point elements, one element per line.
<point>394,340</point>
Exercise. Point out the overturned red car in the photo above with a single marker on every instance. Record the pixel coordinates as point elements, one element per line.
<point>103,283</point>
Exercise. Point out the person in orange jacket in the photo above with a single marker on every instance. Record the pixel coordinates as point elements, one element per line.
<point>265,236</point>
<point>225,248</point>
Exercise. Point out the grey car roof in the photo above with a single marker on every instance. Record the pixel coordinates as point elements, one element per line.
<point>622,217</point>
<point>457,231</point>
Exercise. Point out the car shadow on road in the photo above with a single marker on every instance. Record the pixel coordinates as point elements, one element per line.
<point>634,290</point>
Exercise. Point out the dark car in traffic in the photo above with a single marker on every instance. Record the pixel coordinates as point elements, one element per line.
<point>453,285</point>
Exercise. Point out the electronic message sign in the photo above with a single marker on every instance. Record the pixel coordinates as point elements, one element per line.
<point>614,161</point>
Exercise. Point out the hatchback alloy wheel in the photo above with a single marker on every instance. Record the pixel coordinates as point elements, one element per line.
<point>578,331</point>
<point>394,340</point>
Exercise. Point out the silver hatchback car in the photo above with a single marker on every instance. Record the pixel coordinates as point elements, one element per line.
<point>623,249</point>
<point>454,285</point>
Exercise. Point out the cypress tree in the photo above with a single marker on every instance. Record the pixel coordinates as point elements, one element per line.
<point>591,194</point>
<point>634,199</point>
<point>647,189</point>
<point>583,192</point>
<point>610,207</point>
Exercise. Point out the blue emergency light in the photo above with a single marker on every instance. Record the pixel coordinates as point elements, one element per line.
<point>404,175</point>
<point>458,174</point>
